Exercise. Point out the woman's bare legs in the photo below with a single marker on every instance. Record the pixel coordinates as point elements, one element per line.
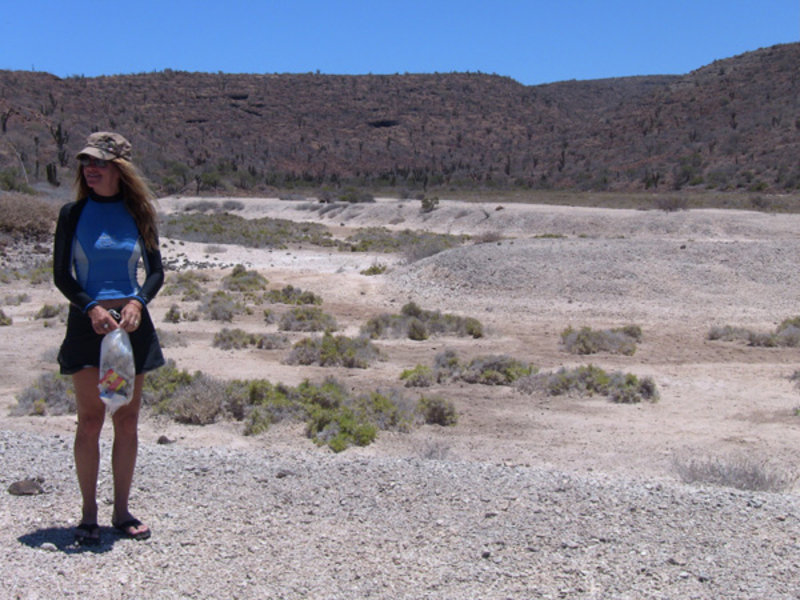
<point>91,414</point>
<point>123,457</point>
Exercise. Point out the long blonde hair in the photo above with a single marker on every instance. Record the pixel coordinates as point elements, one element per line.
<point>136,194</point>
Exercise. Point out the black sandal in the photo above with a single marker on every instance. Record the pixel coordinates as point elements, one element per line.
<point>87,534</point>
<point>135,524</point>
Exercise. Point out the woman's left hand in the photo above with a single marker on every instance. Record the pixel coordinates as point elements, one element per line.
<point>131,315</point>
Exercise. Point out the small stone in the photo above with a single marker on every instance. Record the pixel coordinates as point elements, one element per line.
<point>163,440</point>
<point>26,487</point>
<point>49,547</point>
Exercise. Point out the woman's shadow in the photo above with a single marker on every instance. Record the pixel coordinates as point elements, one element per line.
<point>63,539</point>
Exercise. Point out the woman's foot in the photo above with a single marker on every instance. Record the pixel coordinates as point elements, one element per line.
<point>87,534</point>
<point>132,528</point>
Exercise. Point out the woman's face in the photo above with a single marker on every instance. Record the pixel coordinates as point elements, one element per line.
<point>102,178</point>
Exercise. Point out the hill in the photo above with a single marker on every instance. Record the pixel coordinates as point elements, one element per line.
<point>729,125</point>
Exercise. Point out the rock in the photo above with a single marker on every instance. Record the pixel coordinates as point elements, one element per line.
<point>26,487</point>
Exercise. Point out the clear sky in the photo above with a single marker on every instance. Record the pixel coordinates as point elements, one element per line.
<point>532,41</point>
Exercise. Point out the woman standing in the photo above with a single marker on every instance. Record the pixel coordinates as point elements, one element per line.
<point>100,239</point>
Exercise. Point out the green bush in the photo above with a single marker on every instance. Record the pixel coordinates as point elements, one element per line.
<point>242,280</point>
<point>740,471</point>
<point>495,370</point>
<point>419,376</point>
<point>190,285</point>
<point>306,318</point>
<point>437,411</point>
<point>50,394</point>
<point>49,311</point>
<point>417,324</point>
<point>220,306</point>
<point>786,335</point>
<point>233,339</point>
<point>292,295</point>
<point>588,380</point>
<point>621,340</point>
<point>374,269</point>
<point>5,320</point>
<point>334,351</point>
<point>26,217</point>
<point>255,233</point>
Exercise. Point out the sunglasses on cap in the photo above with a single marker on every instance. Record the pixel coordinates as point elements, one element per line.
<point>90,161</point>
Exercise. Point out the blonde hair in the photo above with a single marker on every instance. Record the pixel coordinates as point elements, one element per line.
<point>136,194</point>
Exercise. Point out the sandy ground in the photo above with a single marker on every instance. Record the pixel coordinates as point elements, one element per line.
<point>674,274</point>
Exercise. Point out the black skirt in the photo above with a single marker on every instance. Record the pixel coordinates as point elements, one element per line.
<point>81,345</point>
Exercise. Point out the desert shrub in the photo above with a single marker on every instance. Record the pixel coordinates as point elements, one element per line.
<point>173,314</point>
<point>446,366</point>
<point>5,320</point>
<point>627,388</point>
<point>434,450</point>
<point>26,217</point>
<point>786,335</point>
<point>411,243</point>
<point>588,380</point>
<point>418,324</point>
<point>354,196</point>
<point>226,228</point>
<point>201,402</point>
<point>429,204</point>
<point>740,471</point>
<point>437,411</point>
<point>729,333</point>
<point>332,415</point>
<point>388,410</point>
<point>419,376</point>
<point>489,237</point>
<point>232,205</point>
<point>671,203</point>
<point>16,299</point>
<point>495,370</point>
<point>306,318</point>
<point>163,383</point>
<point>49,311</point>
<point>189,284</point>
<point>292,295</point>
<point>374,269</point>
<point>334,351</point>
<point>220,306</point>
<point>271,341</point>
<point>339,429</point>
<point>201,206</point>
<point>242,280</point>
<point>233,339</point>
<point>50,394</point>
<point>621,340</point>
<point>417,330</point>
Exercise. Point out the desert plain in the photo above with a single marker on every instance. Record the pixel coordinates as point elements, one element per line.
<point>214,496</point>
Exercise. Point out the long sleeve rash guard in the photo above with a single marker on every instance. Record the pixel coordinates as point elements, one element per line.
<point>96,253</point>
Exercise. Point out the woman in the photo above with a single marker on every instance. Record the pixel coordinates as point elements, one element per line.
<point>100,239</point>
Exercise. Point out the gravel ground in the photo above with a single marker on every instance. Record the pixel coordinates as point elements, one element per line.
<point>260,524</point>
<point>245,518</point>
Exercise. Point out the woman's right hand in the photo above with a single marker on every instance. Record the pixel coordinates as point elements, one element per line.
<point>102,321</point>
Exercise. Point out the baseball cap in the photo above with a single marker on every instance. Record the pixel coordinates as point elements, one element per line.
<point>106,145</point>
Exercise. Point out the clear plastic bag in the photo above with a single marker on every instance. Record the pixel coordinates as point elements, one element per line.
<point>117,370</point>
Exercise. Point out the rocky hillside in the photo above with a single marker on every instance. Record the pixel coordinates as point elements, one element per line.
<point>733,124</point>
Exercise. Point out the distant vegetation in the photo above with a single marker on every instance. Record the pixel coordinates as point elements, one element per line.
<point>727,126</point>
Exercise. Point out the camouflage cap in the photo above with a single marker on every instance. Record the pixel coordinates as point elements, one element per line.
<point>107,146</point>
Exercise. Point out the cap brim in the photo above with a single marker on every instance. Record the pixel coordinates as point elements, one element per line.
<point>96,153</point>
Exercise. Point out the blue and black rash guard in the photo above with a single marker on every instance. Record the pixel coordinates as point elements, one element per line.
<point>96,253</point>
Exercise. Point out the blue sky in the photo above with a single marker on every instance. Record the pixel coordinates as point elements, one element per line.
<point>531,41</point>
